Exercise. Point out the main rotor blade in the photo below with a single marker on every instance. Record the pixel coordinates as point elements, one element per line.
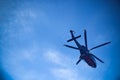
<point>85,38</point>
<point>97,58</point>
<point>78,61</point>
<point>100,45</point>
<point>71,47</point>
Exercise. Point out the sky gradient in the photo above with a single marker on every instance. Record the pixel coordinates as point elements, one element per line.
<point>32,34</point>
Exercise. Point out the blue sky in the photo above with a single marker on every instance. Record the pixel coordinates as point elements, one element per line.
<point>33,33</point>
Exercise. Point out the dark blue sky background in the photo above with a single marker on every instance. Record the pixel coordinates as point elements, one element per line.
<point>32,34</point>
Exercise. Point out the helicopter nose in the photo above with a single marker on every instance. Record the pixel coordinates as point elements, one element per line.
<point>94,66</point>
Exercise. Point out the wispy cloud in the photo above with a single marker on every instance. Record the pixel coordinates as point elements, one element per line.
<point>21,64</point>
<point>65,74</point>
<point>55,57</point>
<point>64,71</point>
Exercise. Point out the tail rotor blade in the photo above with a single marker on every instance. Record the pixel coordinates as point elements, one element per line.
<point>72,31</point>
<point>85,38</point>
<point>100,45</point>
<point>73,38</point>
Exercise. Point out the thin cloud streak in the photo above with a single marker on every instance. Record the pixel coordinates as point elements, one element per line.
<point>65,74</point>
<point>64,71</point>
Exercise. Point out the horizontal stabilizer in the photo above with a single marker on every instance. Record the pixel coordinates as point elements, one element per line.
<point>71,47</point>
<point>73,38</point>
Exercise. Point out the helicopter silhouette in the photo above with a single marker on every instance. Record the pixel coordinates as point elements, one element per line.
<point>85,54</point>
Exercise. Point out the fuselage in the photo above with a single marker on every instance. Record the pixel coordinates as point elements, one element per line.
<point>85,55</point>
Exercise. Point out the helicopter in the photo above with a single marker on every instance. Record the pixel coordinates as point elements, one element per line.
<point>85,54</point>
